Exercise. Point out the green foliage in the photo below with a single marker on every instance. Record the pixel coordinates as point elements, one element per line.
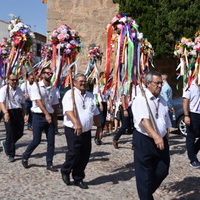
<point>163,22</point>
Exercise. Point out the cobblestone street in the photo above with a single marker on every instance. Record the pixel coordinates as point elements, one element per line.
<point>109,174</point>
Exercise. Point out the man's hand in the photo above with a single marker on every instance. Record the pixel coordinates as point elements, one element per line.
<point>125,113</point>
<point>25,118</point>
<point>6,117</point>
<point>159,142</point>
<point>48,118</point>
<point>187,120</point>
<point>77,128</point>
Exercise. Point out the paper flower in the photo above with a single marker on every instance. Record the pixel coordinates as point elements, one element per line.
<point>120,20</point>
<point>20,33</point>
<point>5,47</point>
<point>184,46</point>
<point>95,54</point>
<point>146,46</point>
<point>67,40</point>
<point>46,51</point>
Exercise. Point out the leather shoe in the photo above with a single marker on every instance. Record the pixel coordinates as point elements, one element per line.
<point>115,143</point>
<point>65,178</point>
<point>25,163</point>
<point>52,168</point>
<point>81,184</point>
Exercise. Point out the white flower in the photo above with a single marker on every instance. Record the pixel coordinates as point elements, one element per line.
<point>32,35</point>
<point>140,36</point>
<point>123,19</point>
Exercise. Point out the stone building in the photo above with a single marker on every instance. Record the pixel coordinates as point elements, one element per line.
<point>89,18</point>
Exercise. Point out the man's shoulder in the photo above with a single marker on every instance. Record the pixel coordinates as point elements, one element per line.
<point>89,94</point>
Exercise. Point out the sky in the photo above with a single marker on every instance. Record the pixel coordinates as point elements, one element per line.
<point>31,12</point>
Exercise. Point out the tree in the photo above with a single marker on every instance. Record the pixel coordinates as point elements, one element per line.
<point>163,22</point>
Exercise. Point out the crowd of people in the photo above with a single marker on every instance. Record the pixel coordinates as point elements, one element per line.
<point>144,113</point>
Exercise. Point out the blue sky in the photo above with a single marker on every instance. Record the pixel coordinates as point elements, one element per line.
<point>32,12</point>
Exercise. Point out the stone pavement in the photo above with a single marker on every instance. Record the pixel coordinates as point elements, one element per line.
<point>109,174</point>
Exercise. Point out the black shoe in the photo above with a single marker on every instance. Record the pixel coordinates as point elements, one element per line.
<point>81,184</point>
<point>97,141</point>
<point>52,168</point>
<point>65,178</point>
<point>25,163</point>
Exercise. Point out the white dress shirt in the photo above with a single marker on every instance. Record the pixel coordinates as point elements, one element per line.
<point>26,88</point>
<point>47,94</point>
<point>86,108</point>
<point>193,94</point>
<point>157,105</point>
<point>11,98</point>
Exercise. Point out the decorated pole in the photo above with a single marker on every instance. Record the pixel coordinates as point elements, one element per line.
<point>188,51</point>
<point>21,40</point>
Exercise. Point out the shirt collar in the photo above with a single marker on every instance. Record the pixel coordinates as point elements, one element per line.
<point>41,84</point>
<point>151,96</point>
<point>79,92</point>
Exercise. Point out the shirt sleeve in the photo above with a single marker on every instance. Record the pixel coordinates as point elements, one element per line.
<point>2,95</point>
<point>67,102</point>
<point>139,109</point>
<point>23,87</point>
<point>186,94</point>
<point>34,92</point>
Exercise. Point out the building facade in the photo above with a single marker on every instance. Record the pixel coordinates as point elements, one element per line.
<point>88,18</point>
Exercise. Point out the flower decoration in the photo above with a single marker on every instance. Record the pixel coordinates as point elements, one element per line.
<point>120,20</point>
<point>146,46</point>
<point>184,46</point>
<point>27,56</point>
<point>67,40</point>
<point>5,48</point>
<point>95,54</point>
<point>20,33</point>
<point>197,41</point>
<point>46,51</point>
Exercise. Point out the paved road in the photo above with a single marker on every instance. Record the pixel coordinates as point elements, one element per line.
<point>109,174</point>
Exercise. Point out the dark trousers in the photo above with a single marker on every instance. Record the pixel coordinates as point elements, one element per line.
<point>103,114</point>
<point>151,165</point>
<point>40,124</point>
<point>193,137</point>
<point>14,130</point>
<point>28,105</point>
<point>78,154</point>
<point>127,123</point>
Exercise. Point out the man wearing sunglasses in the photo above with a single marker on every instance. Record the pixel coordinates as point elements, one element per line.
<point>45,102</point>
<point>12,106</point>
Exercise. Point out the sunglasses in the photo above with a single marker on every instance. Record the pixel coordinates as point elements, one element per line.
<point>13,80</point>
<point>157,83</point>
<point>48,73</point>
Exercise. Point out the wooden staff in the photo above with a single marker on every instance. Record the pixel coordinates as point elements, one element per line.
<point>72,89</point>
<point>148,107</point>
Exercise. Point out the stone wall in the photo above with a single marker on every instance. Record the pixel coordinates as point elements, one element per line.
<point>89,18</point>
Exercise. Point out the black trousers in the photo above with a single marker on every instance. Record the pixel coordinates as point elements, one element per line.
<point>14,130</point>
<point>151,165</point>
<point>193,137</point>
<point>78,154</point>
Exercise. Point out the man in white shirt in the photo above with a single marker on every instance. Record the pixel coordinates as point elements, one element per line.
<point>12,106</point>
<point>79,113</point>
<point>152,122</point>
<point>26,89</point>
<point>191,108</point>
<point>45,101</point>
